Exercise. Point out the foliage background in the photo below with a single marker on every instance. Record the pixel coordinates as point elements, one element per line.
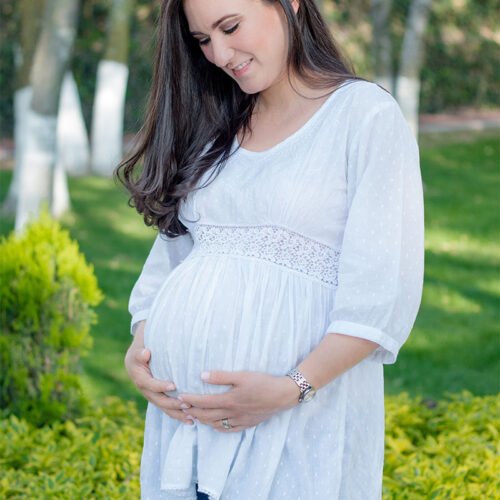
<point>462,66</point>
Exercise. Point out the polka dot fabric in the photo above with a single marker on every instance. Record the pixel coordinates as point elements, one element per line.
<point>321,233</point>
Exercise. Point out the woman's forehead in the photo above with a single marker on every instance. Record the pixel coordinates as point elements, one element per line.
<point>205,15</point>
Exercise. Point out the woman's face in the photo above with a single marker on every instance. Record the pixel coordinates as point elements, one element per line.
<point>245,38</point>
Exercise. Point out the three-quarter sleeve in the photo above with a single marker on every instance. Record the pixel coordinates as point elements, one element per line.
<point>166,253</point>
<point>380,274</point>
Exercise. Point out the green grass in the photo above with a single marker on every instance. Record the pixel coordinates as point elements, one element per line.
<point>454,344</point>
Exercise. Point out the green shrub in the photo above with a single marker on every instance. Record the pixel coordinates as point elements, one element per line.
<point>96,456</point>
<point>47,291</point>
<point>449,451</point>
<point>445,452</point>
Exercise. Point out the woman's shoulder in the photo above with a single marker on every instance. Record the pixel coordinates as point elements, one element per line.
<point>367,90</point>
<point>363,100</point>
<point>365,93</point>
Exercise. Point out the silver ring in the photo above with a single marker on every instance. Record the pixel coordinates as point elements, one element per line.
<point>226,424</point>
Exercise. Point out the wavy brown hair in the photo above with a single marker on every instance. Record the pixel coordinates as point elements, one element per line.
<point>195,109</point>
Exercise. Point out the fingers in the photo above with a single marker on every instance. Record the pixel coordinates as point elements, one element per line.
<point>143,356</point>
<point>208,416</point>
<point>170,406</point>
<point>137,365</point>
<point>234,426</point>
<point>146,382</point>
<point>206,400</point>
<point>216,421</point>
<point>219,377</point>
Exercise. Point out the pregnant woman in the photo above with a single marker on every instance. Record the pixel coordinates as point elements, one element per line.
<point>288,265</point>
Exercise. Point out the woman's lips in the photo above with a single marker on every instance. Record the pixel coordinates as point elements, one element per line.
<point>242,68</point>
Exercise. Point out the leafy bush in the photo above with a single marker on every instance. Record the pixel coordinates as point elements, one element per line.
<point>446,451</point>
<point>96,456</point>
<point>47,291</point>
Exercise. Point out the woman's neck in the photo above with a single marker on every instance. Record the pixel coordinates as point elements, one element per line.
<point>289,96</point>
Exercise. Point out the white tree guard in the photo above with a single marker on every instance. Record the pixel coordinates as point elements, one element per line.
<point>36,181</point>
<point>408,92</point>
<point>22,101</point>
<point>107,118</point>
<point>60,191</point>
<point>412,51</point>
<point>73,149</point>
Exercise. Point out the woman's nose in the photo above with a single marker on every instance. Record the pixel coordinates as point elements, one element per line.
<point>221,53</point>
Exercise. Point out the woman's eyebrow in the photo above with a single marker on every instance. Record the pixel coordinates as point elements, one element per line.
<point>214,25</point>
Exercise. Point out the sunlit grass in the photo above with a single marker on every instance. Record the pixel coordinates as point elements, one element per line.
<point>454,344</point>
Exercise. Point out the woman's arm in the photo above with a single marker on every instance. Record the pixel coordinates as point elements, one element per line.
<point>255,396</point>
<point>334,355</point>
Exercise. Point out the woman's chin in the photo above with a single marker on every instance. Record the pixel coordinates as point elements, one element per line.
<point>249,89</point>
<point>250,86</point>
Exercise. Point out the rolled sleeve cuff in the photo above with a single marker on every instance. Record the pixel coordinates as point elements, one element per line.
<point>388,349</point>
<point>138,316</point>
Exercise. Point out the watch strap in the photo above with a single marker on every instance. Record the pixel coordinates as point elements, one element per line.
<point>301,381</point>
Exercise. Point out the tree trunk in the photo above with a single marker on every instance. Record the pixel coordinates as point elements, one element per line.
<point>73,149</point>
<point>109,103</point>
<point>36,181</point>
<point>408,79</point>
<point>30,21</point>
<point>382,46</point>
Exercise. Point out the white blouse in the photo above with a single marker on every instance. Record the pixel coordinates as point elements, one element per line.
<point>321,233</point>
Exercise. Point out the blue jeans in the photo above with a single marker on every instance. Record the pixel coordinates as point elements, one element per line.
<point>200,495</point>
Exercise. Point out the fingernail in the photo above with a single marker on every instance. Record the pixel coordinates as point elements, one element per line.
<point>205,375</point>
<point>170,387</point>
<point>143,352</point>
<point>184,406</point>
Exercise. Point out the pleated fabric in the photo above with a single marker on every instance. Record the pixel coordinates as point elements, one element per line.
<point>322,233</point>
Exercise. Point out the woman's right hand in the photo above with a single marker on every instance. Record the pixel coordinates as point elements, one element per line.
<point>137,366</point>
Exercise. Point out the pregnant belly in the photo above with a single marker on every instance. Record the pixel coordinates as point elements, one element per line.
<point>232,313</point>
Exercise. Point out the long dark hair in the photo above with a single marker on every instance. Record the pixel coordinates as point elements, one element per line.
<point>195,109</point>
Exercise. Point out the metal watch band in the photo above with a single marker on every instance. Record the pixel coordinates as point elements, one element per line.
<point>301,381</point>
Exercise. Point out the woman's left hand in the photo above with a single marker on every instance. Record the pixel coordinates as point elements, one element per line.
<point>253,398</point>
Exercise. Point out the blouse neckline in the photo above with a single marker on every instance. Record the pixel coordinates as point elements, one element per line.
<point>310,121</point>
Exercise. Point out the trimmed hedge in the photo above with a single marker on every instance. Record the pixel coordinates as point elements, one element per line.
<point>446,450</point>
<point>96,456</point>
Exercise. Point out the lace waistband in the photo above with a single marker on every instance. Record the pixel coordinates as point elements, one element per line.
<point>271,243</point>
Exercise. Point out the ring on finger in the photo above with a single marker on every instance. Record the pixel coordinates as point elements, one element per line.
<point>226,424</point>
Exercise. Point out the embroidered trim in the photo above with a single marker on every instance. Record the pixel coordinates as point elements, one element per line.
<point>271,243</point>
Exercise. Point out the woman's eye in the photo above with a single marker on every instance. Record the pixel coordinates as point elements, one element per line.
<point>232,29</point>
<point>205,41</point>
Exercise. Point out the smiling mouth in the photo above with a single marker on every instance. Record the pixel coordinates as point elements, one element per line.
<point>238,70</point>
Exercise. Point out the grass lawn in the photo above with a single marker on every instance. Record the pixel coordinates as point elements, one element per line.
<point>454,344</point>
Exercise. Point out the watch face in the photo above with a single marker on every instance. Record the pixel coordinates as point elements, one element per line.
<point>309,394</point>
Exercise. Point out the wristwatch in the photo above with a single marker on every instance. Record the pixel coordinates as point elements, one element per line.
<point>307,391</point>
